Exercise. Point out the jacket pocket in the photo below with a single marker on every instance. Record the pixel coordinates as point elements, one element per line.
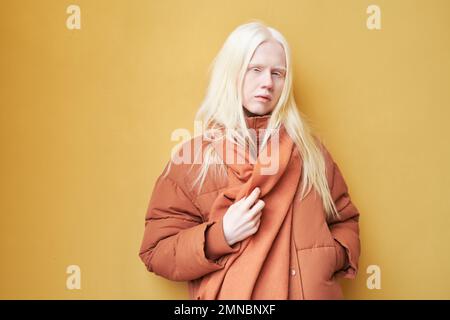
<point>318,266</point>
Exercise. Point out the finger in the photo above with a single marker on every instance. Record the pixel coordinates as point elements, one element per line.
<point>257,218</point>
<point>256,227</point>
<point>252,197</point>
<point>256,208</point>
<point>238,202</point>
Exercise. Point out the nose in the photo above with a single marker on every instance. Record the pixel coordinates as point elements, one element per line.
<point>267,81</point>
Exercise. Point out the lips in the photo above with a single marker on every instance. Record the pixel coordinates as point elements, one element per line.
<point>264,97</point>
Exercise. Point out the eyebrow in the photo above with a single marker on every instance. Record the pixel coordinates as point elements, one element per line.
<point>260,65</point>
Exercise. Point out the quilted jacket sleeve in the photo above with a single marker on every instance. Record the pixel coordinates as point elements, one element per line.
<point>345,230</point>
<point>174,242</point>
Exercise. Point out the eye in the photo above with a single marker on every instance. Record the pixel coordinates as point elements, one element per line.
<point>256,69</point>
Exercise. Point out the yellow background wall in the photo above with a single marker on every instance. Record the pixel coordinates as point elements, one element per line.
<point>86,117</point>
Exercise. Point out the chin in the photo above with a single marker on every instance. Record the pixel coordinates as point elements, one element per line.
<point>258,110</point>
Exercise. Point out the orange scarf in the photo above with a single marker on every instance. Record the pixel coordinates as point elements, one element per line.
<point>260,268</point>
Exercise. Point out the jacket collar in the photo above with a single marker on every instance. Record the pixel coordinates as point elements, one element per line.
<point>257,122</point>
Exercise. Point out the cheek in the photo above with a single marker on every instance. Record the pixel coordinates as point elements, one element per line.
<point>248,88</point>
<point>279,86</point>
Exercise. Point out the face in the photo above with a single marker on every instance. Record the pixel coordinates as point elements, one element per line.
<point>264,78</point>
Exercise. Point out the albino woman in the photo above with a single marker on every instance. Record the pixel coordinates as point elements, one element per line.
<point>255,207</point>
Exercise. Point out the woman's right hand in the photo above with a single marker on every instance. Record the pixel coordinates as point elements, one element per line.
<point>242,218</point>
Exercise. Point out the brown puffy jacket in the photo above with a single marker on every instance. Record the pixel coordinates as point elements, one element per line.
<point>180,243</point>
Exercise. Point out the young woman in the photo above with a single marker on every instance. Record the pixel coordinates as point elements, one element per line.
<point>259,210</point>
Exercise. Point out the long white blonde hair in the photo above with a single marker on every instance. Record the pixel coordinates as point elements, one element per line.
<point>222,107</point>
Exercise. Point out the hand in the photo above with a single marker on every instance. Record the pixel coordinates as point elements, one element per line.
<point>242,218</point>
